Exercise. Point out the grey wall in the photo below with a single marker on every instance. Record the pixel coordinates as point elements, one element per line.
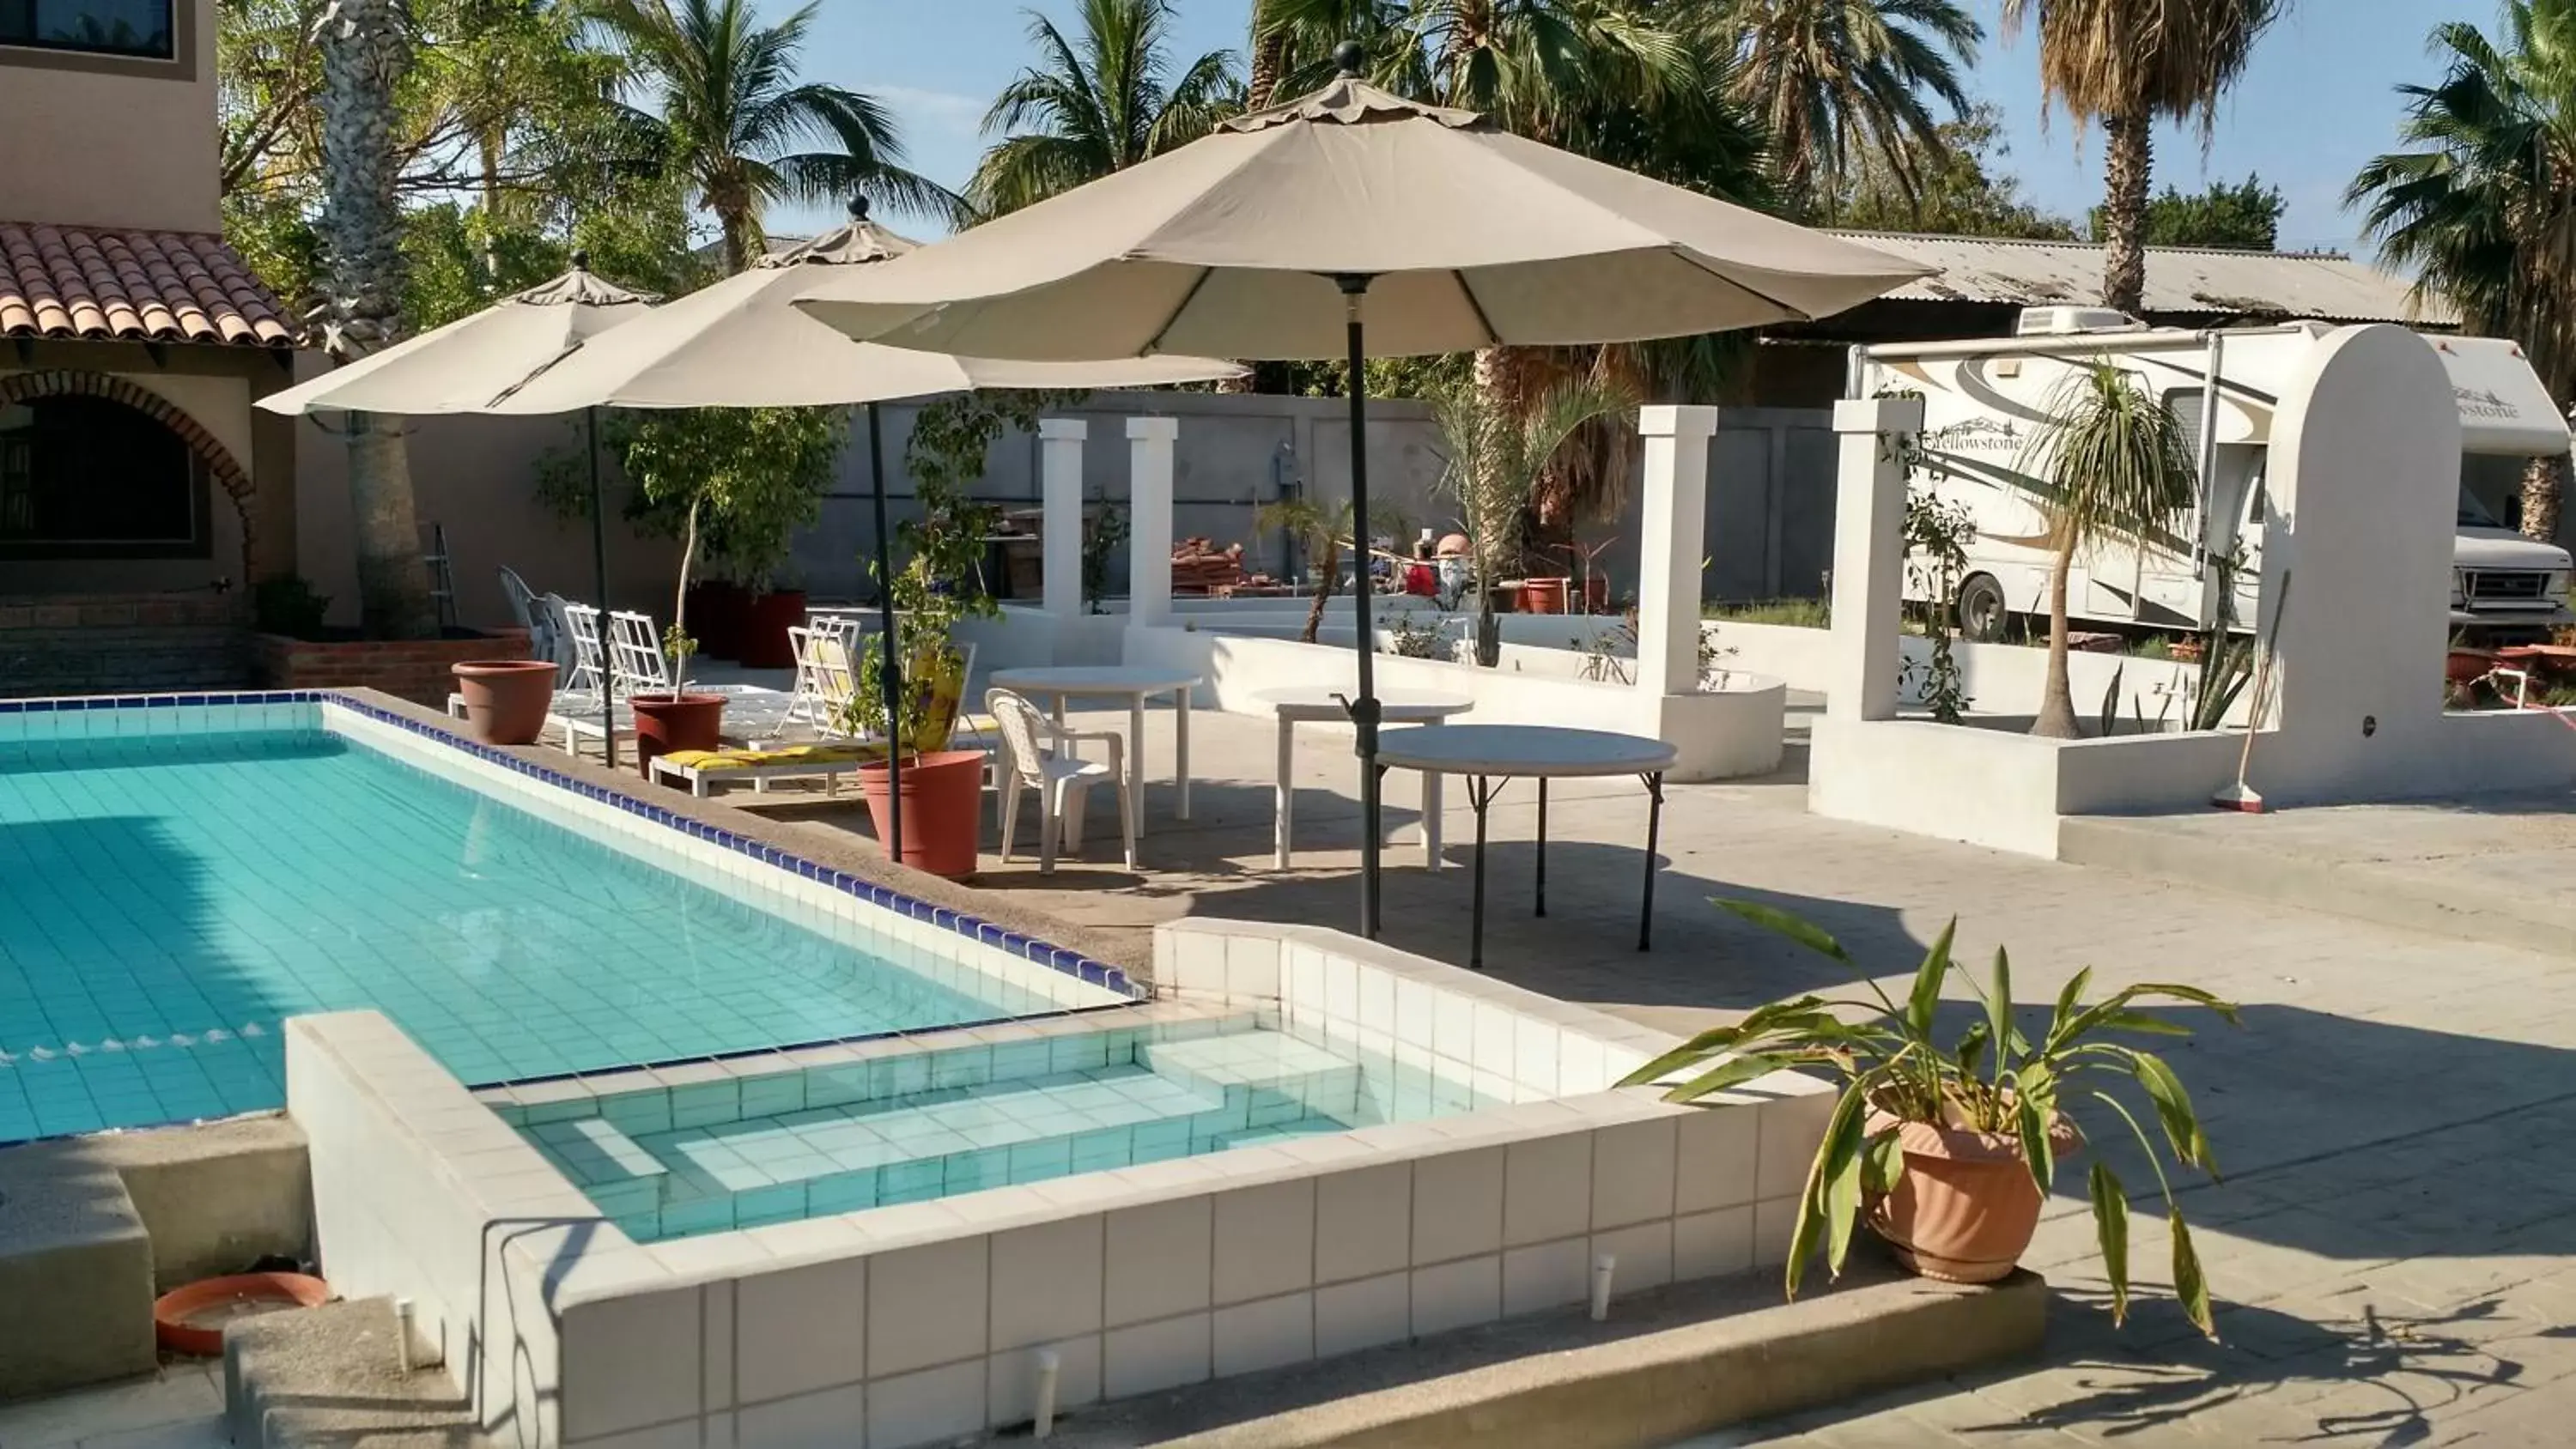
<point>1770,530</point>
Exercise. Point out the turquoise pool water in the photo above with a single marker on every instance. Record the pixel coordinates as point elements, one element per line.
<point>915,1124</point>
<point>166,901</point>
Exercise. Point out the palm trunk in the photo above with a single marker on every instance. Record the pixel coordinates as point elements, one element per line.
<point>2129,159</point>
<point>2057,698</point>
<point>1269,59</point>
<point>365,51</point>
<point>2544,489</point>
<point>737,242</point>
<point>1325,577</point>
<point>1489,628</point>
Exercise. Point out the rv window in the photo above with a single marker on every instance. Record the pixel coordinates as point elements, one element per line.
<point>2184,403</point>
<point>2255,499</point>
<point>2473,514</point>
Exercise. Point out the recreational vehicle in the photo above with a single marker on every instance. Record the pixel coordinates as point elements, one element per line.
<point>1987,401</point>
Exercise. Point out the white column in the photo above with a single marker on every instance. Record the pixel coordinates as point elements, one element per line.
<point>1060,493</point>
<point>1671,541</point>
<point>1869,555</point>
<point>1149,518</point>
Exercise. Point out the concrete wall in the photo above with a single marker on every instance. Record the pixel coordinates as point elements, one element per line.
<point>109,141</point>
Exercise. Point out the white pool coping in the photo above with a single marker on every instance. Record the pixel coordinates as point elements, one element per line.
<point>918,1323</point>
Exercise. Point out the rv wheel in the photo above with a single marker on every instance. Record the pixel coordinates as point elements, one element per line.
<point>1981,608</point>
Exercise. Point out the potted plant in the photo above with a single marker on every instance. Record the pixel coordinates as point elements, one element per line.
<point>678,720</point>
<point>940,583</point>
<point>1947,1150</point>
<point>506,699</point>
<point>780,461</point>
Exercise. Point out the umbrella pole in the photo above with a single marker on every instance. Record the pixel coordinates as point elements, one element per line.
<point>890,668</point>
<point>599,581</point>
<point>1364,710</point>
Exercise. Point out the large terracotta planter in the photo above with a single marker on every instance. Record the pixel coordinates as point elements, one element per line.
<point>1964,1208</point>
<point>943,809</point>
<point>717,611</point>
<point>761,642</point>
<point>1544,596</point>
<point>666,723</point>
<point>506,699</point>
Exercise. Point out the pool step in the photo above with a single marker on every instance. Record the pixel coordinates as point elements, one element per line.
<point>992,1134</point>
<point>604,1162</point>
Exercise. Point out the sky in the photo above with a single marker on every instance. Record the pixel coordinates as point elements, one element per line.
<point>2317,102</point>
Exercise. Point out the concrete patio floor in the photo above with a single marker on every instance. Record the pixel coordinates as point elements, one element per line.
<point>2394,1248</point>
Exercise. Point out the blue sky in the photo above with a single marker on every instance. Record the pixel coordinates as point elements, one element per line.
<point>2317,102</point>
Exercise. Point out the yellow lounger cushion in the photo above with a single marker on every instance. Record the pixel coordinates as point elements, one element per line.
<point>791,755</point>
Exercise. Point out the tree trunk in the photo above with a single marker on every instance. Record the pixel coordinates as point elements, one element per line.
<point>2129,159</point>
<point>2057,698</point>
<point>1325,577</point>
<point>737,240</point>
<point>365,51</point>
<point>1269,59</point>
<point>2544,492</point>
<point>1489,628</point>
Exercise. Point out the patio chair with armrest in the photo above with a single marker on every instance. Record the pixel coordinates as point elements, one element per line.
<point>1037,753</point>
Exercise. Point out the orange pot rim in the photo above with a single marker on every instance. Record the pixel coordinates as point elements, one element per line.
<point>924,759</point>
<point>503,666</point>
<point>1959,1144</point>
<point>171,1310</point>
<point>661,699</point>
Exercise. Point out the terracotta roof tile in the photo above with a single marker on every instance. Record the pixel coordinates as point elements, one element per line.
<point>133,286</point>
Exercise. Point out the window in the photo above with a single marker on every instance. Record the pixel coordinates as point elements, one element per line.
<point>84,477</point>
<point>97,27</point>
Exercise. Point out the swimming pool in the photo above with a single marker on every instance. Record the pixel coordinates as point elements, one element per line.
<point>177,880</point>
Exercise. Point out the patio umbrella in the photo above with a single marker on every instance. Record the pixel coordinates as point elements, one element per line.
<point>739,343</point>
<point>1355,223</point>
<point>457,369</point>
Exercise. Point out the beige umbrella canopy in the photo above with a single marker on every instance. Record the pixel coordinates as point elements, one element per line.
<point>1354,223</point>
<point>738,343</point>
<point>459,367</point>
<point>1472,237</point>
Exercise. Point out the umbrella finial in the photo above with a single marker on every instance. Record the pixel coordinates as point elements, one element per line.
<point>581,259</point>
<point>859,206</point>
<point>1348,58</point>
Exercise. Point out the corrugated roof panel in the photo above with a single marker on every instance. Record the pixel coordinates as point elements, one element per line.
<point>2324,285</point>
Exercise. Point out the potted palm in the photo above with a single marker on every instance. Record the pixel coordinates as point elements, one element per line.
<point>2120,467</point>
<point>1947,1150</point>
<point>1496,455</point>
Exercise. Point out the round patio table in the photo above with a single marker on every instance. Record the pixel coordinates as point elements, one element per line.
<point>1054,685</point>
<point>1489,755</point>
<point>1312,703</point>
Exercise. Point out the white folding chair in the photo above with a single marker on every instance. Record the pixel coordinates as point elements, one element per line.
<point>635,657</point>
<point>1037,752</point>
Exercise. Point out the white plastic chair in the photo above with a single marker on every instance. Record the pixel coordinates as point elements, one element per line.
<point>1038,752</point>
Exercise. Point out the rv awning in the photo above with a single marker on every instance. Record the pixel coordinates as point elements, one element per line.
<point>2503,407</point>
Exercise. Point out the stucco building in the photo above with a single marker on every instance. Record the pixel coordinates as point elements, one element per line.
<point>141,496</point>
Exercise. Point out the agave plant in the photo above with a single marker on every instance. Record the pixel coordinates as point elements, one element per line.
<point>1992,1079</point>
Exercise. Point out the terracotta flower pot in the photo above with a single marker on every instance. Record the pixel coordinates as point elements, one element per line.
<point>761,642</point>
<point>943,809</point>
<point>506,699</point>
<point>1964,1208</point>
<point>1544,596</point>
<point>666,723</point>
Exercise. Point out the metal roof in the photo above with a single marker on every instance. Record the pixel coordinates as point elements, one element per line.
<point>2207,281</point>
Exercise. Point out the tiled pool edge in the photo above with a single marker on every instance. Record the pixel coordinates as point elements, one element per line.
<point>917,1323</point>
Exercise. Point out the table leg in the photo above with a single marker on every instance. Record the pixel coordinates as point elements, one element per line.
<point>1541,892</point>
<point>1182,765</point>
<point>1654,832</point>
<point>1287,804</point>
<point>1431,813</point>
<point>1480,793</point>
<point>1136,760</point>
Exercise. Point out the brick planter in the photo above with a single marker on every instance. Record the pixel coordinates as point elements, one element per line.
<point>122,643</point>
<point>415,669</point>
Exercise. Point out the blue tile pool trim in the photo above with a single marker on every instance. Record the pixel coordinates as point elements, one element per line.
<point>973,928</point>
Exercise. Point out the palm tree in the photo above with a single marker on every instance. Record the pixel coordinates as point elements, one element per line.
<point>727,113</point>
<point>366,48</point>
<point>2127,64</point>
<point>1832,78</point>
<point>2120,466</point>
<point>1097,106</point>
<point>1497,454</point>
<point>2481,206</point>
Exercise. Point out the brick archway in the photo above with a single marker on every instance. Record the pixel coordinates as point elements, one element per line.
<point>226,469</point>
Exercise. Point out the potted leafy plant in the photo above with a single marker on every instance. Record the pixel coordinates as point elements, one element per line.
<point>1496,455</point>
<point>781,460</point>
<point>940,583</point>
<point>681,719</point>
<point>1948,1150</point>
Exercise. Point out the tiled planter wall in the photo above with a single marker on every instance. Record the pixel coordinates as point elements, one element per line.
<point>920,1323</point>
